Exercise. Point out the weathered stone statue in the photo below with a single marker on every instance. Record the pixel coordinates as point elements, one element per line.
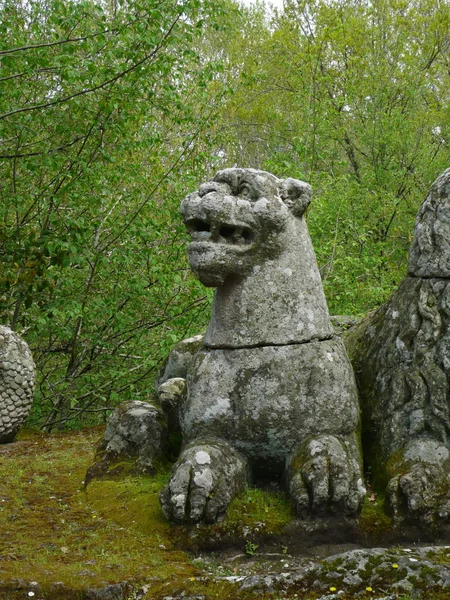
<point>401,356</point>
<point>135,442</point>
<point>271,390</point>
<point>17,376</point>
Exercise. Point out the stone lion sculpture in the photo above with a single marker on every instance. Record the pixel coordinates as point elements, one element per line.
<point>17,377</point>
<point>271,390</point>
<point>401,356</point>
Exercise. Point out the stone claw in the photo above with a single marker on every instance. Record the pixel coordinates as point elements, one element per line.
<point>204,481</point>
<point>325,477</point>
<point>421,494</point>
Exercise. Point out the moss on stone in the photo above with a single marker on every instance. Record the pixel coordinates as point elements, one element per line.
<point>373,520</point>
<point>255,506</point>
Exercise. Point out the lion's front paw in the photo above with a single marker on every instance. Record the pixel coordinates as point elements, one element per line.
<point>325,476</point>
<point>204,481</point>
<point>419,489</point>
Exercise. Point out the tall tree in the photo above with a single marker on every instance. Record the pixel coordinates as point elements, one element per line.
<point>353,96</point>
<point>103,112</point>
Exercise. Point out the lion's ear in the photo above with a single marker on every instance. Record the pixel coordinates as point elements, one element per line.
<point>296,195</point>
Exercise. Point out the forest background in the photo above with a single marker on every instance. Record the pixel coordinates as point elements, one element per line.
<point>112,110</point>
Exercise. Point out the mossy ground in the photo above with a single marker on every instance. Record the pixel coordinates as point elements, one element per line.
<point>69,540</point>
<point>53,531</point>
<point>373,520</point>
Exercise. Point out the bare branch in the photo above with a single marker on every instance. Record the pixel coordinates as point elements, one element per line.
<point>51,44</point>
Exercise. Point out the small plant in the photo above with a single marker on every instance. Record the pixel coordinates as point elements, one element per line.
<point>250,548</point>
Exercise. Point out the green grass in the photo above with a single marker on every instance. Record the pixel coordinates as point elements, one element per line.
<point>373,521</point>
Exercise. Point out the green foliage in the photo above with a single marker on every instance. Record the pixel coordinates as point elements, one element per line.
<point>110,112</point>
<point>250,548</point>
<point>352,97</point>
<point>102,110</point>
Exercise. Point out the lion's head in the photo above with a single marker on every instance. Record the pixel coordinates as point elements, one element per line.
<point>238,219</point>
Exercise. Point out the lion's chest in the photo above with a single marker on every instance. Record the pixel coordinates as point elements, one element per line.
<point>266,400</point>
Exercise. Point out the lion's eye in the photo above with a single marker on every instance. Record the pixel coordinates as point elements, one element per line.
<point>244,190</point>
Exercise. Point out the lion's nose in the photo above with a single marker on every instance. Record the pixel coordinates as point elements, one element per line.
<point>201,230</point>
<point>236,234</point>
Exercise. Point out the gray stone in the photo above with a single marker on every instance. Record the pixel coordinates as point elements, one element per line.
<point>430,250</point>
<point>170,395</point>
<point>135,442</point>
<point>206,477</point>
<point>401,357</point>
<point>267,400</point>
<point>249,240</point>
<point>351,573</point>
<point>17,378</point>
<point>342,323</point>
<point>115,591</point>
<point>401,360</point>
<point>325,476</point>
<point>178,362</point>
<point>272,384</point>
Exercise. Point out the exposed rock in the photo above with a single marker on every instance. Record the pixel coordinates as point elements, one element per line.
<point>118,591</point>
<point>342,323</point>
<point>429,255</point>
<point>177,363</point>
<point>170,396</point>
<point>401,357</point>
<point>17,378</point>
<point>272,382</point>
<point>380,569</point>
<point>135,441</point>
<point>183,596</point>
<point>205,479</point>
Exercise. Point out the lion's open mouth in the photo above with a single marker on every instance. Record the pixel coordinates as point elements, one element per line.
<point>219,233</point>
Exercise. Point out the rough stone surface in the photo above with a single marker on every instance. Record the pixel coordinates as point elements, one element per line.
<point>17,378</point>
<point>117,591</point>
<point>249,240</point>
<point>170,395</point>
<point>325,476</point>
<point>342,323</point>
<point>135,441</point>
<point>401,360</point>
<point>271,382</point>
<point>268,400</point>
<point>430,250</point>
<point>388,572</point>
<point>206,477</point>
<point>171,382</point>
<point>401,356</point>
<point>178,362</point>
